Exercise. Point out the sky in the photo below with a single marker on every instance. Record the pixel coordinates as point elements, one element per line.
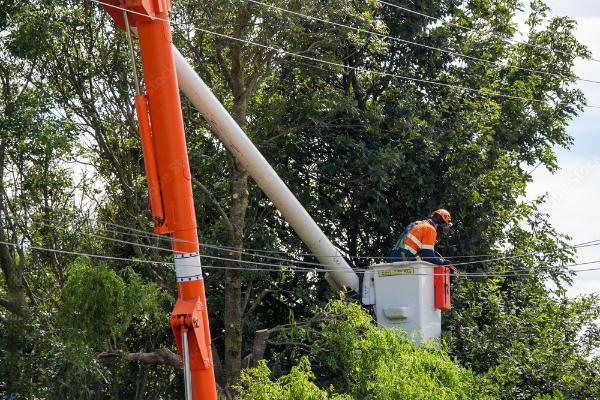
<point>574,191</point>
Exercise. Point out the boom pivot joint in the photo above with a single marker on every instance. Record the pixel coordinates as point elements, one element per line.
<point>187,316</point>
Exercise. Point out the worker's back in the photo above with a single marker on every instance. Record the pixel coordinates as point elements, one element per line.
<point>418,239</point>
<point>421,237</point>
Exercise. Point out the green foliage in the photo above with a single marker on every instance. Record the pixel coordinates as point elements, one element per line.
<point>384,363</point>
<point>542,348</point>
<point>101,304</point>
<point>364,361</point>
<point>74,370</point>
<point>256,384</point>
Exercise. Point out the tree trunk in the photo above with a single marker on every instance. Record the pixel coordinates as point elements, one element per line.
<point>15,303</point>
<point>233,317</point>
<point>242,73</point>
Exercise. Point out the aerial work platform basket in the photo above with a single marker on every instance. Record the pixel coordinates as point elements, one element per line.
<point>408,295</point>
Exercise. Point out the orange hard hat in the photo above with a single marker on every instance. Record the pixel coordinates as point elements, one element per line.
<point>444,215</point>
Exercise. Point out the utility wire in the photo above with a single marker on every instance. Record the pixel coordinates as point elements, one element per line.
<point>235,249</point>
<point>314,269</point>
<point>408,10</point>
<point>493,257</point>
<point>281,268</point>
<point>252,252</point>
<point>217,247</point>
<point>111,239</point>
<point>412,43</point>
<point>76,253</point>
<point>358,69</point>
<point>221,248</point>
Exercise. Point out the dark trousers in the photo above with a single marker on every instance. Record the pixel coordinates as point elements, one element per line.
<point>401,255</point>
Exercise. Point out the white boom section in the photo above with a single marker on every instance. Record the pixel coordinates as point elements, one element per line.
<point>236,141</point>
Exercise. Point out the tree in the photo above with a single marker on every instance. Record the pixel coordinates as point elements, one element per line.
<point>355,357</point>
<point>32,184</point>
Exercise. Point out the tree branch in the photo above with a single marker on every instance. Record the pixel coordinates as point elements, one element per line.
<point>217,205</point>
<point>247,297</point>
<point>160,356</point>
<point>256,302</point>
<point>262,336</point>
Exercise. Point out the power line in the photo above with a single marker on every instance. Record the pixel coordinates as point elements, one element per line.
<point>412,43</point>
<point>408,10</point>
<point>217,247</point>
<point>201,255</point>
<point>76,253</point>
<point>248,250</point>
<point>251,252</point>
<point>308,270</point>
<point>588,243</point>
<point>111,239</point>
<point>490,257</point>
<point>358,69</point>
<point>314,269</point>
<point>493,257</point>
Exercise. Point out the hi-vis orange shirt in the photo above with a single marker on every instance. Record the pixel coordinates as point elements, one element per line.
<point>418,239</point>
<point>421,237</point>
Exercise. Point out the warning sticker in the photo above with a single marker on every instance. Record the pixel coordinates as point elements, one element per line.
<point>400,271</point>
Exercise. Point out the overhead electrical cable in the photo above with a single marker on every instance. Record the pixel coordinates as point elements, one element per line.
<point>483,258</point>
<point>493,257</point>
<point>163,237</point>
<point>248,251</point>
<point>76,253</point>
<point>488,93</point>
<point>533,45</point>
<point>281,268</point>
<point>201,255</point>
<point>314,265</point>
<point>412,43</point>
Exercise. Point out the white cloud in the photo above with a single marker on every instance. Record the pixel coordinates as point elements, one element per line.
<point>574,192</point>
<point>572,198</point>
<point>574,8</point>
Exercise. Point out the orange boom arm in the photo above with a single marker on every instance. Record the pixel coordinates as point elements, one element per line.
<point>169,179</point>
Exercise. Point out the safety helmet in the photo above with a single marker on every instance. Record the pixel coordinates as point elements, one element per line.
<point>444,215</point>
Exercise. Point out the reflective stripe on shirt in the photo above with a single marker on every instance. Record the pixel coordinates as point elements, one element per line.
<point>414,239</point>
<point>412,251</point>
<point>421,237</point>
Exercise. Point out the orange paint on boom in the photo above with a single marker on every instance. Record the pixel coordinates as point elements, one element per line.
<point>169,179</point>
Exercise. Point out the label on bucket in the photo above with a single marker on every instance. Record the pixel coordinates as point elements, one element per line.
<point>400,271</point>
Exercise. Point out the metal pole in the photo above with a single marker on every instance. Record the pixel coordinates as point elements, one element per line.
<point>187,374</point>
<point>136,80</point>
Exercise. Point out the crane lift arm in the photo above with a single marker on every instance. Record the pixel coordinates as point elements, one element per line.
<point>169,179</point>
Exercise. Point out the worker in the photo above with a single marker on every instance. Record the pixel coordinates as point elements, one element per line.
<point>418,239</point>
